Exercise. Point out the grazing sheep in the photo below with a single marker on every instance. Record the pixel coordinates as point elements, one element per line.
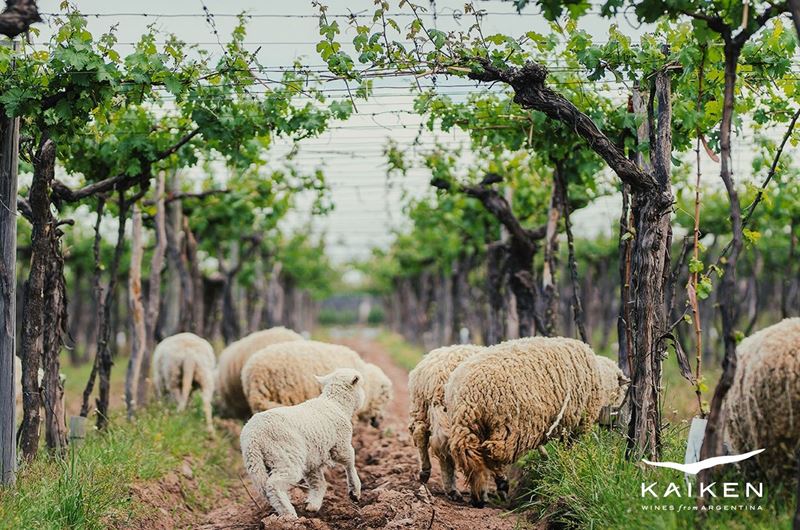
<point>181,362</point>
<point>286,444</point>
<point>379,393</point>
<point>612,382</point>
<point>283,374</point>
<point>762,407</point>
<point>428,425</point>
<point>229,374</point>
<point>513,398</point>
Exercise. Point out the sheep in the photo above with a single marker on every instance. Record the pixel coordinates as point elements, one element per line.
<point>612,382</point>
<point>283,445</point>
<point>379,393</point>
<point>180,362</point>
<point>513,398</point>
<point>283,374</point>
<point>761,408</point>
<point>232,402</point>
<point>428,420</point>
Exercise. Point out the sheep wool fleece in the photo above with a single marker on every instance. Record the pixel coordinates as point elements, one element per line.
<point>379,393</point>
<point>762,408</point>
<point>610,377</point>
<point>515,396</point>
<point>232,359</point>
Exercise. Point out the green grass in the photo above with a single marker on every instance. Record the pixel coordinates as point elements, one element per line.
<point>91,486</point>
<point>403,353</point>
<point>590,485</point>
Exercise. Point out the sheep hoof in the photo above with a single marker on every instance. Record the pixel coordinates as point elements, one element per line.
<point>311,507</point>
<point>424,476</point>
<point>455,495</point>
<point>477,502</point>
<point>355,497</point>
<point>502,488</point>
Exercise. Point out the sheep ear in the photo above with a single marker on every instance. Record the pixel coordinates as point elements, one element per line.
<point>623,380</point>
<point>355,380</point>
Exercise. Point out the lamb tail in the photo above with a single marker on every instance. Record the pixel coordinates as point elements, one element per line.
<point>189,365</point>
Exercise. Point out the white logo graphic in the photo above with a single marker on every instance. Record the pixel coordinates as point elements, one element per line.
<point>697,467</point>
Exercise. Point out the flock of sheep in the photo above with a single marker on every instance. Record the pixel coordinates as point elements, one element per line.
<point>476,409</point>
<point>275,375</point>
<point>467,404</point>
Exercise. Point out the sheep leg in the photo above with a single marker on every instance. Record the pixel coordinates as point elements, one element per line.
<point>158,384</point>
<point>477,487</point>
<point>421,440</point>
<point>448,466</point>
<point>174,389</point>
<point>208,396</point>
<point>501,482</point>
<point>316,489</point>
<point>346,456</point>
<point>277,491</point>
<point>273,484</point>
<point>441,450</point>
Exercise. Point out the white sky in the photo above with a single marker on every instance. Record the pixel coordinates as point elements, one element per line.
<point>351,153</point>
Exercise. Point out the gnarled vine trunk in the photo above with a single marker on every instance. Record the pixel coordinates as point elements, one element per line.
<point>103,362</point>
<point>137,315</point>
<point>496,256</point>
<point>153,305</point>
<point>45,316</point>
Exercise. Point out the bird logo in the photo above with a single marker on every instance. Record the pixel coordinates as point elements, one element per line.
<point>696,467</point>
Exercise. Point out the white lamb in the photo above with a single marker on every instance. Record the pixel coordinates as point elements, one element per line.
<point>181,362</point>
<point>283,445</point>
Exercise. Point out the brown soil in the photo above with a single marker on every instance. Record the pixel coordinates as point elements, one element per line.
<point>165,502</point>
<point>387,464</point>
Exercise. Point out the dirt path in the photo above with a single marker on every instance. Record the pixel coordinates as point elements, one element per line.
<point>387,464</point>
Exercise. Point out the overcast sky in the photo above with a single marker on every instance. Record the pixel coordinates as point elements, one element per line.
<point>351,153</point>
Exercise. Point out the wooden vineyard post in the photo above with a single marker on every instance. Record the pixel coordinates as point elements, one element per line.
<point>9,151</point>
